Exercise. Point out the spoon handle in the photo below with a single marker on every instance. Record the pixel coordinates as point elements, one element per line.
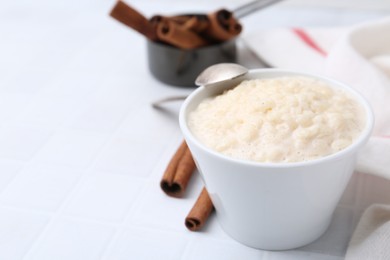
<point>158,103</point>
<point>253,6</point>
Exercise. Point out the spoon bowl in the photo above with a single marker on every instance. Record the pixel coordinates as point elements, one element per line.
<point>220,72</point>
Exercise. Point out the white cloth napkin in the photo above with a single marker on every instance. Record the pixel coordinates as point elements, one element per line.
<point>359,56</point>
<point>371,239</point>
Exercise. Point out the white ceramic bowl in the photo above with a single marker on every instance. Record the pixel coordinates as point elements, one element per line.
<point>273,206</point>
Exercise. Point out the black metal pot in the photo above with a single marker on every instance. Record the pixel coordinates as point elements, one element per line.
<point>178,67</point>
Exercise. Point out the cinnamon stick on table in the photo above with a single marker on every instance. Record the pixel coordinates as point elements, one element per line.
<point>200,212</point>
<point>174,183</point>
<point>178,172</point>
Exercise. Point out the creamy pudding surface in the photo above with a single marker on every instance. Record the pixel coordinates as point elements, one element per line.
<point>285,119</point>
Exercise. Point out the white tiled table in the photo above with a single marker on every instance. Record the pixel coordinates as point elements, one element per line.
<point>82,151</point>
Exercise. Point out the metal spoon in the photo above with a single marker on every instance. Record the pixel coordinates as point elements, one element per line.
<point>220,72</point>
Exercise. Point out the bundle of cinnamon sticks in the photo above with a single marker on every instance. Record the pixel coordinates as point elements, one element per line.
<point>174,183</point>
<point>182,31</point>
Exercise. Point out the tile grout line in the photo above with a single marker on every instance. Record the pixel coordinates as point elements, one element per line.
<point>150,180</point>
<point>26,163</point>
<point>132,208</point>
<point>187,248</point>
<point>122,223</point>
<point>167,151</point>
<point>86,173</point>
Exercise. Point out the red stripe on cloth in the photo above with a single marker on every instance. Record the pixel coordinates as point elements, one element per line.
<point>308,40</point>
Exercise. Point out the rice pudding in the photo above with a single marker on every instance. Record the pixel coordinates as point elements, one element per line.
<point>284,119</point>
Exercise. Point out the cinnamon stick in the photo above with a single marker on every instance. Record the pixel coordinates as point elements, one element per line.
<point>176,35</point>
<point>197,23</point>
<point>178,172</point>
<point>134,19</point>
<point>174,183</point>
<point>179,19</point>
<point>182,31</point>
<point>223,26</point>
<point>200,212</point>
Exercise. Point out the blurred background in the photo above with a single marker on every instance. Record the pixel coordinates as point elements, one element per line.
<point>82,150</point>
